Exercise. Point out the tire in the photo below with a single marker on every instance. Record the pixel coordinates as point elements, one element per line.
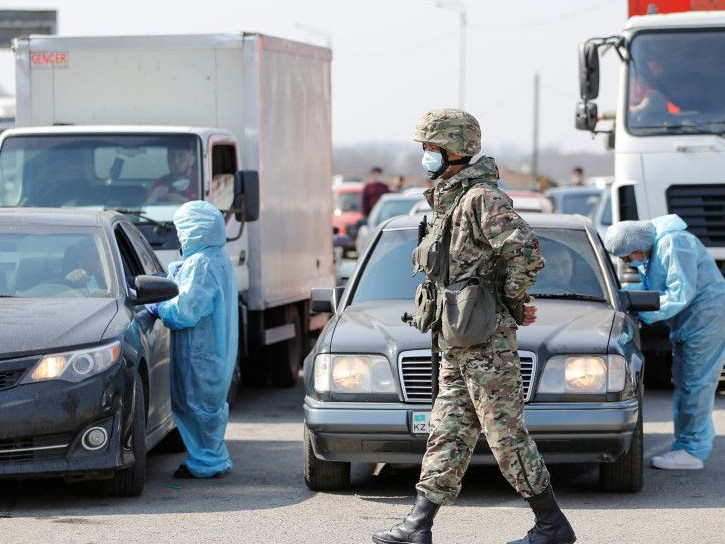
<point>324,475</point>
<point>625,475</point>
<point>284,359</point>
<point>171,443</point>
<point>130,481</point>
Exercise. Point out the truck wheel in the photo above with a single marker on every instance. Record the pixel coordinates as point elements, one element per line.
<point>129,482</point>
<point>324,475</point>
<point>285,358</point>
<point>625,474</point>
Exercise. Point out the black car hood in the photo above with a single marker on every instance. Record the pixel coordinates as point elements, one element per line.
<point>35,325</point>
<point>562,326</point>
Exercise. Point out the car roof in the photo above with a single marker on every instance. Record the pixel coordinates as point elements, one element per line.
<point>67,217</point>
<point>536,220</point>
<point>401,196</point>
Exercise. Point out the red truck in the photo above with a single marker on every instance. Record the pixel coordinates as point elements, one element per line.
<point>644,7</point>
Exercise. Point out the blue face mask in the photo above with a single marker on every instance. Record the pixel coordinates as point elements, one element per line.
<point>636,264</point>
<point>432,161</point>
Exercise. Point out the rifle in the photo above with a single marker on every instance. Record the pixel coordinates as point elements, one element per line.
<point>435,357</point>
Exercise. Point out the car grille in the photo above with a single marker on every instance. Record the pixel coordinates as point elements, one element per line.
<point>702,207</point>
<point>12,371</point>
<point>32,448</point>
<point>415,374</point>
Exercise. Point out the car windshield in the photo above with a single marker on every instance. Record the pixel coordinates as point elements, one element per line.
<point>347,202</point>
<point>45,263</point>
<point>572,270</point>
<point>675,83</point>
<point>390,208</point>
<point>582,203</point>
<point>149,174</point>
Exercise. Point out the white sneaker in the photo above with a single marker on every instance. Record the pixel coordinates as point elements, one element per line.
<point>677,460</point>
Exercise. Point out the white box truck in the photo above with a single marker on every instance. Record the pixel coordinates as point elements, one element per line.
<point>668,128</point>
<point>101,116</point>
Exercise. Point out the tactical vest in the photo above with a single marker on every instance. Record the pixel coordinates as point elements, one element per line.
<point>465,311</point>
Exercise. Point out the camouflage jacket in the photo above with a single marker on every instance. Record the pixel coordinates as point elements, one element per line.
<point>484,229</point>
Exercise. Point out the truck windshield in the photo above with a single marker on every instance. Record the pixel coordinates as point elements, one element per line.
<point>675,83</point>
<point>149,174</point>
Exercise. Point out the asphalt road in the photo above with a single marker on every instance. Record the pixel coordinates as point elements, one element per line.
<point>265,500</point>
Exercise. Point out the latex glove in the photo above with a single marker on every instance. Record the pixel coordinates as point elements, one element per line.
<point>174,268</point>
<point>153,309</point>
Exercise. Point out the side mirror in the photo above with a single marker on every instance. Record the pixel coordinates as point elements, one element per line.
<point>246,195</point>
<point>640,301</point>
<point>589,70</point>
<point>150,289</point>
<point>586,116</point>
<point>324,300</point>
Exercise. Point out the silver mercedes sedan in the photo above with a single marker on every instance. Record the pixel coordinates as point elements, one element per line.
<point>368,378</point>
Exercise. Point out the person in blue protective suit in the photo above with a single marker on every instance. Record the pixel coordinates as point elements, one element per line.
<point>692,302</point>
<point>204,323</point>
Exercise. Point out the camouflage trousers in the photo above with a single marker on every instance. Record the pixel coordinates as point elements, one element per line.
<point>480,388</point>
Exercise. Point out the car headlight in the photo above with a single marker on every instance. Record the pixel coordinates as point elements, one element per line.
<point>583,374</point>
<point>75,366</point>
<point>352,373</point>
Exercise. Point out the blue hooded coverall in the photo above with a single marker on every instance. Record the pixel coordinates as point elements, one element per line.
<point>692,303</point>
<point>204,321</point>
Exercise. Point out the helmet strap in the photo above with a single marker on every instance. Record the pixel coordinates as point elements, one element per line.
<point>446,163</point>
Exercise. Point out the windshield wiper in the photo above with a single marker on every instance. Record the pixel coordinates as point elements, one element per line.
<point>683,128</point>
<point>7,296</point>
<point>570,296</point>
<point>143,217</point>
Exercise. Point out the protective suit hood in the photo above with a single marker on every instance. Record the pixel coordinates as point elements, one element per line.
<point>199,225</point>
<point>666,224</point>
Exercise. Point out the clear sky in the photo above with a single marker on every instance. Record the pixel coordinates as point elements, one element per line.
<point>395,59</point>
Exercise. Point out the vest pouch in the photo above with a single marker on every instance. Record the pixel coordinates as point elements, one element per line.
<point>425,314</point>
<point>426,257</point>
<point>469,312</point>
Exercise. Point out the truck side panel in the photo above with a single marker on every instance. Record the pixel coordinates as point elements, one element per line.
<point>295,150</point>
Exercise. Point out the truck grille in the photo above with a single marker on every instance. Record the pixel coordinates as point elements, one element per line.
<point>703,209</point>
<point>415,374</point>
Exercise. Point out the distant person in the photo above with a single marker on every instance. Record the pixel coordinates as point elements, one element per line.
<point>373,190</point>
<point>181,184</point>
<point>577,176</point>
<point>398,184</point>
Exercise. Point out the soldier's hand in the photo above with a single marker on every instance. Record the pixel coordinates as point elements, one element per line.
<point>529,313</point>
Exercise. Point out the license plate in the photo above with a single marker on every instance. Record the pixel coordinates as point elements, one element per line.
<point>420,422</point>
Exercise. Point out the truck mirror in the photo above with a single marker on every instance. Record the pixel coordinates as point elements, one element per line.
<point>589,70</point>
<point>246,195</point>
<point>586,116</point>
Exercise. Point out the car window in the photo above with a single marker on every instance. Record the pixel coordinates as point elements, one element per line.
<point>583,203</point>
<point>572,269</point>
<point>387,273</point>
<point>50,262</point>
<point>391,208</point>
<point>141,247</point>
<point>347,202</point>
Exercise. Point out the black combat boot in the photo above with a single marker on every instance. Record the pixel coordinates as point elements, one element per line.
<point>415,527</point>
<point>551,525</point>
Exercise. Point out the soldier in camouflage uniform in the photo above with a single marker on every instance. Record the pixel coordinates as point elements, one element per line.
<point>480,386</point>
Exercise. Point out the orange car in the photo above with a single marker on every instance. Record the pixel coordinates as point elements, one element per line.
<point>346,211</point>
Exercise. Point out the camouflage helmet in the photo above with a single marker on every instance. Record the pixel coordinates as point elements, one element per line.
<point>453,130</point>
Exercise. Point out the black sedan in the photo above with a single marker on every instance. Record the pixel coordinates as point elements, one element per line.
<point>84,367</point>
<point>368,378</point>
